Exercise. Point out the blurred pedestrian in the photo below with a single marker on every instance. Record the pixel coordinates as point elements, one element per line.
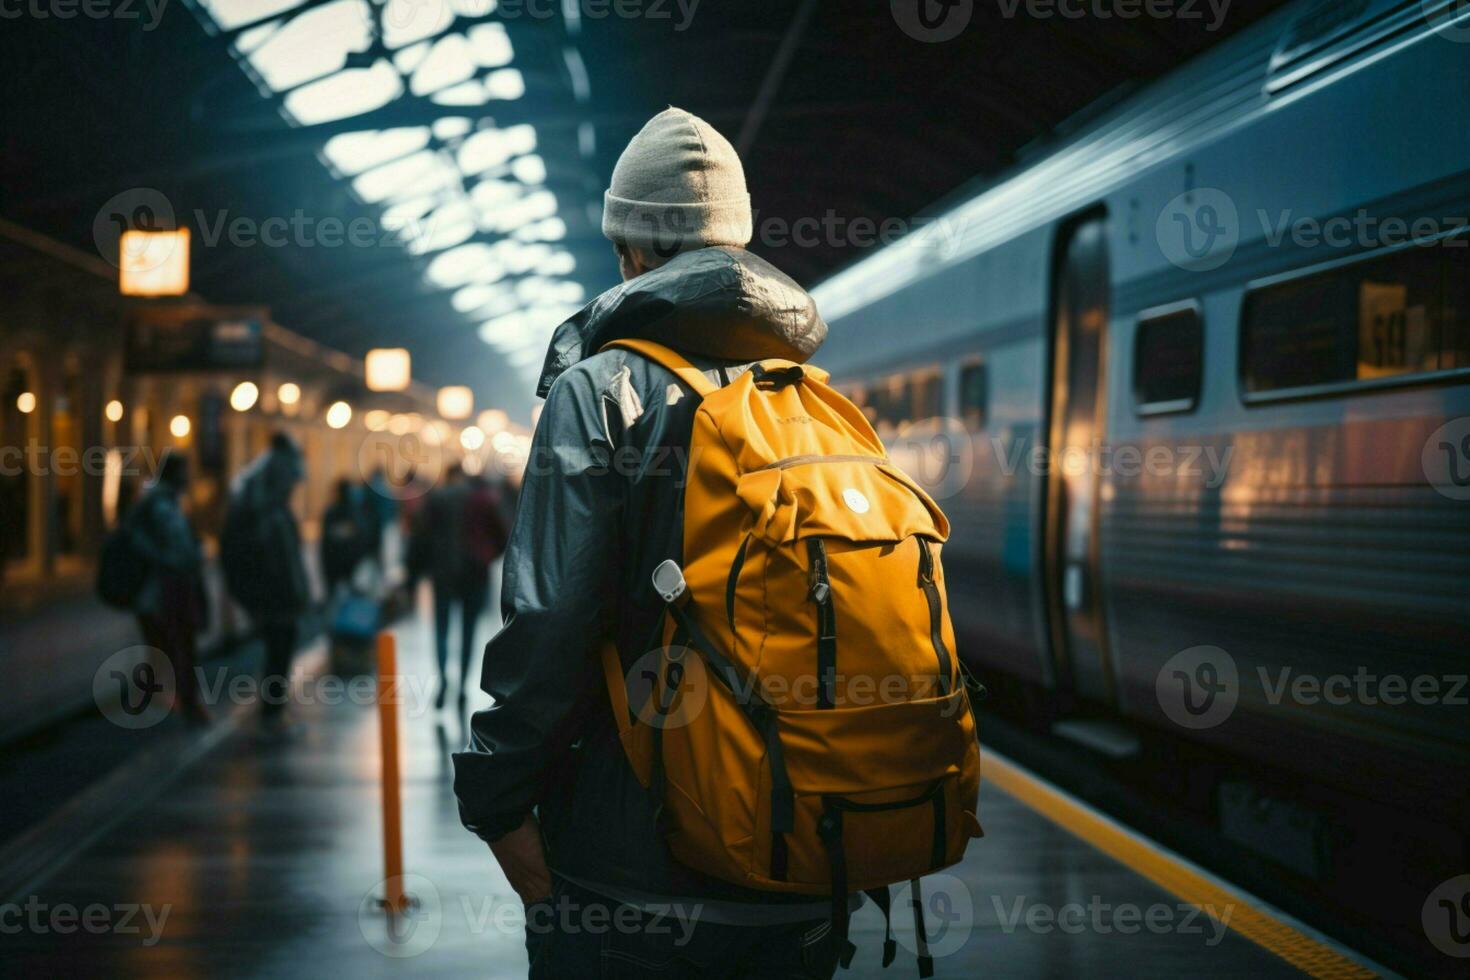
<point>348,535</point>
<point>261,555</point>
<point>171,604</point>
<point>460,533</point>
<point>381,501</point>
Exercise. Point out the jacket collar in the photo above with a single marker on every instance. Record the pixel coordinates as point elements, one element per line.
<point>722,303</point>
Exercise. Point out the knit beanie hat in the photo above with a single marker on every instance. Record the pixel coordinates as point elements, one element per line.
<point>678,186</point>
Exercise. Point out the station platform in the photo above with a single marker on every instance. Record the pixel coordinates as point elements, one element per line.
<point>257,852</point>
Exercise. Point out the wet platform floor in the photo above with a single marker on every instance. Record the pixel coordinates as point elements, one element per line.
<point>264,860</point>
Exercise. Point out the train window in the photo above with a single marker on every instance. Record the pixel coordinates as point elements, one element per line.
<point>1371,322</point>
<point>927,401</point>
<point>974,395</point>
<point>1168,356</point>
<point>1455,352</point>
<point>892,402</point>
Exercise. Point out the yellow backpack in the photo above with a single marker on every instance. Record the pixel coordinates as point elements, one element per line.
<point>806,725</point>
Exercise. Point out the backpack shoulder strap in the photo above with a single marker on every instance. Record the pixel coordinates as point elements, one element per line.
<point>674,361</point>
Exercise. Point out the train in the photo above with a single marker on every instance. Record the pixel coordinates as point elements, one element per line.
<point>1193,384</point>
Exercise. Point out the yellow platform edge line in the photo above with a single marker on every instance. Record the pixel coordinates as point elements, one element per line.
<point>1163,869</point>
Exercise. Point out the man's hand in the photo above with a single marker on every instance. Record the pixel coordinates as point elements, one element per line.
<point>523,860</point>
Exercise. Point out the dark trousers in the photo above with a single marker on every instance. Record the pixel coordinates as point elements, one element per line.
<point>578,933</point>
<point>280,647</point>
<point>470,597</point>
<point>177,641</point>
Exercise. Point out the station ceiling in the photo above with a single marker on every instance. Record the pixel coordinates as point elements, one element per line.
<point>429,173</point>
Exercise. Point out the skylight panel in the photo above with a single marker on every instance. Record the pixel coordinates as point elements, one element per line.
<point>537,204</point>
<point>491,45</point>
<point>529,169</point>
<point>489,196</point>
<point>546,230</point>
<point>449,63</point>
<point>462,265</point>
<point>313,44</point>
<point>493,147</point>
<point>451,127</point>
<point>409,58</point>
<point>464,94</point>
<point>424,172</point>
<point>450,224</point>
<point>472,298</point>
<point>254,37</point>
<point>506,84</point>
<point>557,264</point>
<point>407,21</point>
<point>345,94</point>
<point>410,211</point>
<point>352,153</point>
<point>230,14</point>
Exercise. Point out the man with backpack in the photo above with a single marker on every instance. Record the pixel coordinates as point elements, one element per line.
<point>710,548</point>
<point>260,552</point>
<point>170,600</point>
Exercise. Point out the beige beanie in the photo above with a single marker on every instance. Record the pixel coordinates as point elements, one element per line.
<point>678,186</point>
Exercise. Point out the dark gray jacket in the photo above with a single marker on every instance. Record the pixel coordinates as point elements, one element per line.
<point>601,506</point>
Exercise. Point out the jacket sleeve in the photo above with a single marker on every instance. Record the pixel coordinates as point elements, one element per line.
<point>554,600</point>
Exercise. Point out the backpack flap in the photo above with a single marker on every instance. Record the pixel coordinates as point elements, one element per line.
<point>853,498</point>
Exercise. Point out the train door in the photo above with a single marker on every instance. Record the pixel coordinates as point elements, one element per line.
<point>1080,310</point>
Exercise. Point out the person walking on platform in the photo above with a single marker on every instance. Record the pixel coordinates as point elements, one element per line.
<point>348,535</point>
<point>171,603</point>
<point>462,534</point>
<point>260,551</point>
<point>544,779</point>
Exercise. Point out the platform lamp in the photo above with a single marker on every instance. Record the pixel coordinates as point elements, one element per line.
<point>456,402</point>
<point>388,369</point>
<point>154,263</point>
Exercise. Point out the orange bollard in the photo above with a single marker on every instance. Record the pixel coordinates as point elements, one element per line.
<point>395,900</point>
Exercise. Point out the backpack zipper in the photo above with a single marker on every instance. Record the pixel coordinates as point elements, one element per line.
<point>821,594</point>
<point>789,461</point>
<point>936,611</point>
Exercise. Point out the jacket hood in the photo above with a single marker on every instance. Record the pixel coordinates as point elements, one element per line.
<point>723,303</point>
